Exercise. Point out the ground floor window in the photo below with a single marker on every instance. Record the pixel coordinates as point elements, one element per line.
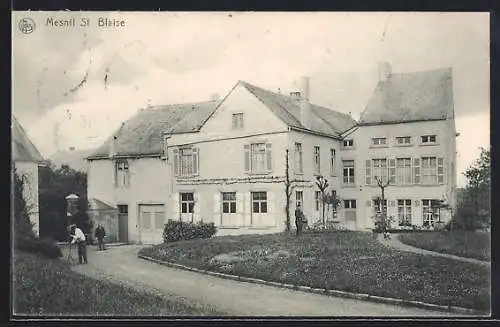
<point>229,202</point>
<point>259,202</point>
<point>299,198</point>
<point>350,210</point>
<point>378,205</point>
<point>187,202</point>
<point>404,212</point>
<point>317,199</point>
<point>430,212</point>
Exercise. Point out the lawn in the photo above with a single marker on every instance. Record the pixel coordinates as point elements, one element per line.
<point>347,261</point>
<point>462,243</point>
<point>48,287</point>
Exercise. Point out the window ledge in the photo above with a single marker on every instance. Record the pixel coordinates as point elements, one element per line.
<point>348,148</point>
<point>349,185</point>
<point>429,144</point>
<point>403,145</point>
<point>230,227</point>
<point>378,146</point>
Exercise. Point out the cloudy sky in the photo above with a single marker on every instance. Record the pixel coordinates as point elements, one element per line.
<point>87,80</point>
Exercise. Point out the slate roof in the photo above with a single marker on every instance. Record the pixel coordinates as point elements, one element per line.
<point>416,96</point>
<point>323,120</point>
<point>22,147</point>
<point>142,134</point>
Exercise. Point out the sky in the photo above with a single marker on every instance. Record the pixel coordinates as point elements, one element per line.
<point>73,86</point>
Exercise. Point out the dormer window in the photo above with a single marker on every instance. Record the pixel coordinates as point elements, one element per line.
<point>348,143</point>
<point>403,140</point>
<point>379,141</point>
<point>428,139</point>
<point>237,122</point>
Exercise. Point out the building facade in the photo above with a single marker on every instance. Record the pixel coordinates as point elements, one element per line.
<point>226,161</point>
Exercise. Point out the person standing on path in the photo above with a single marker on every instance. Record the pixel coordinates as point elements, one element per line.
<point>300,219</point>
<point>79,238</point>
<point>100,232</point>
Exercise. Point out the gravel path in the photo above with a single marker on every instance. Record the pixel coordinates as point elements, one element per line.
<point>228,296</point>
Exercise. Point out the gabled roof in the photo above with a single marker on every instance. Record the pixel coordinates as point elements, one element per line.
<point>22,147</point>
<point>417,96</point>
<point>323,120</point>
<point>143,133</point>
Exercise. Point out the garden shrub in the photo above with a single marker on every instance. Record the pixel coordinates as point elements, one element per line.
<point>43,246</point>
<point>176,230</point>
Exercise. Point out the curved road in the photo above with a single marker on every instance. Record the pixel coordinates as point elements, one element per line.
<point>231,297</point>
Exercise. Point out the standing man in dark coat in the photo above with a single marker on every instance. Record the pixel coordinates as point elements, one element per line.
<point>100,232</point>
<point>300,219</point>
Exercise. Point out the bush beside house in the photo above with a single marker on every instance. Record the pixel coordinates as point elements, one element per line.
<point>180,230</point>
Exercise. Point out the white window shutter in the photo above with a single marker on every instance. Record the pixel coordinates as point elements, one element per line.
<point>270,202</point>
<point>392,171</point>
<point>196,161</point>
<point>440,170</point>
<point>269,157</point>
<point>217,208</point>
<point>176,162</point>
<point>197,206</point>
<point>239,202</point>
<point>368,172</point>
<point>416,170</point>
<point>246,149</point>
<point>175,206</point>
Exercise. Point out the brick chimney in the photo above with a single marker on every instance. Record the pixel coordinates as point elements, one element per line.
<point>305,106</point>
<point>384,71</point>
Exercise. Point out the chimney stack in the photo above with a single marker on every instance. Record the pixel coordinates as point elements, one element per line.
<point>384,71</point>
<point>112,147</point>
<point>305,106</point>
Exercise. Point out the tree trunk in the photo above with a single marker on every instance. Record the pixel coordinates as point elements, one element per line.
<point>287,193</point>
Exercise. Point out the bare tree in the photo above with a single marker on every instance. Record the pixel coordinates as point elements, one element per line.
<point>383,209</point>
<point>322,184</point>
<point>288,191</point>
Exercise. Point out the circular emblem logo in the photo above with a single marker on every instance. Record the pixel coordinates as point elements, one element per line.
<point>27,25</point>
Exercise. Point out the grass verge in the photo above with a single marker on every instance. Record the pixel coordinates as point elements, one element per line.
<point>349,261</point>
<point>49,287</point>
<point>466,244</point>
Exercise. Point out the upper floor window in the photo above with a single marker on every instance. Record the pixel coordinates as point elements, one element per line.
<point>348,172</point>
<point>229,202</point>
<point>258,158</point>
<point>403,171</point>
<point>298,158</point>
<point>122,174</point>
<point>379,141</point>
<point>237,122</point>
<point>349,143</point>
<point>428,139</point>
<point>186,161</point>
<point>317,160</point>
<point>332,162</point>
<point>403,140</point>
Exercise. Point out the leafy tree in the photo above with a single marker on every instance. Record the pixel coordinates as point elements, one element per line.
<point>23,227</point>
<point>473,208</point>
<point>55,183</point>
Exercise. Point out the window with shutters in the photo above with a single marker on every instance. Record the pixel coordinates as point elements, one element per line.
<point>187,202</point>
<point>379,170</point>
<point>237,121</point>
<point>298,158</point>
<point>258,158</point>
<point>404,212</point>
<point>229,202</point>
<point>259,202</point>
<point>430,211</point>
<point>299,198</point>
<point>332,162</point>
<point>403,171</point>
<point>348,172</point>
<point>186,161</point>
<point>122,173</point>
<point>317,161</point>
<point>429,170</point>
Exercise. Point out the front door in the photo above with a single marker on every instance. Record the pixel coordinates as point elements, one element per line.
<point>123,223</point>
<point>152,223</point>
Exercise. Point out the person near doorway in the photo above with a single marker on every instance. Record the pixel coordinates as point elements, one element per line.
<point>100,232</point>
<point>79,238</point>
<point>300,219</point>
